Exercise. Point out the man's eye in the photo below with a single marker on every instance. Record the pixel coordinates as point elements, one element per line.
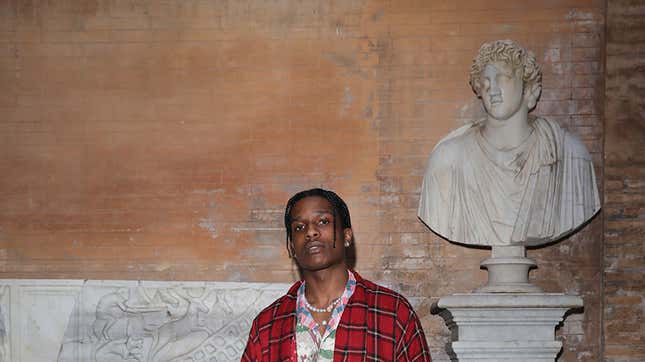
<point>323,221</point>
<point>299,227</point>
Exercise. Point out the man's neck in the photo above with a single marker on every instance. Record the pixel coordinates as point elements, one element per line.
<point>323,286</point>
<point>509,133</point>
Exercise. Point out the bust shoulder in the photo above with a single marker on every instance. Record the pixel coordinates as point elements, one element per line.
<point>450,150</point>
<point>575,147</point>
<point>570,144</point>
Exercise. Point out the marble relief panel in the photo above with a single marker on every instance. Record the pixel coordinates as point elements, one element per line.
<point>71,320</point>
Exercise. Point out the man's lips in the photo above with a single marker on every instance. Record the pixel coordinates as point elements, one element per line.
<point>314,247</point>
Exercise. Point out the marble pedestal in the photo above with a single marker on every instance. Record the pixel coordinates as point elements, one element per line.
<point>505,326</point>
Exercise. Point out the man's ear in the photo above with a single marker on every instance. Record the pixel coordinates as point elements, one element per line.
<point>348,235</point>
<point>291,249</point>
<point>532,94</point>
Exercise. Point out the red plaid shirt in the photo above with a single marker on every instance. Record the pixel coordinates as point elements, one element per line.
<point>378,324</point>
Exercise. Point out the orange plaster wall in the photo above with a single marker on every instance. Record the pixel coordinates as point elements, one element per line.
<point>161,140</point>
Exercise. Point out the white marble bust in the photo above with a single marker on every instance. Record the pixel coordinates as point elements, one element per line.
<point>510,178</point>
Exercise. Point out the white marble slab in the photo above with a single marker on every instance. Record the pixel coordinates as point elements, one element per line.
<point>75,320</point>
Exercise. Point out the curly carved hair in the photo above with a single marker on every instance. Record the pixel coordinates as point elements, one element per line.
<point>509,52</point>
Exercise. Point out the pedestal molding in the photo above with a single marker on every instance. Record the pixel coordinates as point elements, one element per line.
<point>505,326</point>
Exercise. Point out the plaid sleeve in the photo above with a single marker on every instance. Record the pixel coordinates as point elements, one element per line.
<point>253,348</point>
<point>412,346</point>
<point>272,331</point>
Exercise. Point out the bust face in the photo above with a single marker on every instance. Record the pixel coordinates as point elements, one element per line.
<point>501,90</point>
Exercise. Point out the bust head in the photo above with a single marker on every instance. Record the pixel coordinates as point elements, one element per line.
<point>506,66</point>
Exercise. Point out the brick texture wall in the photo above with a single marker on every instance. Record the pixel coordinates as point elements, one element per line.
<point>161,139</point>
<point>624,249</point>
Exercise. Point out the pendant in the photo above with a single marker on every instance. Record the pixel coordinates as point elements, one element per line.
<point>324,323</point>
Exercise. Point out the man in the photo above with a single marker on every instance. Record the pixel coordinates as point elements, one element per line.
<point>511,178</point>
<point>333,314</point>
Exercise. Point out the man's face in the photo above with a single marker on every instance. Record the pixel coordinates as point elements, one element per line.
<point>312,234</point>
<point>501,90</point>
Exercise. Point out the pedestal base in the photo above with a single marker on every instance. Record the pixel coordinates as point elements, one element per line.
<point>508,275</point>
<point>508,271</point>
<point>505,327</point>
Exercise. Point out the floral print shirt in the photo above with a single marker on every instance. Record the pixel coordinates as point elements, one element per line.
<point>310,344</point>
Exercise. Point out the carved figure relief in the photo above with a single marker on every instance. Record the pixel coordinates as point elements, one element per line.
<point>165,324</point>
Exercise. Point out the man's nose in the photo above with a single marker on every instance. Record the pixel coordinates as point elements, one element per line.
<point>312,231</point>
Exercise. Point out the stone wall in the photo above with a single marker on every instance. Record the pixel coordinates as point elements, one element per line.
<point>624,250</point>
<point>160,140</point>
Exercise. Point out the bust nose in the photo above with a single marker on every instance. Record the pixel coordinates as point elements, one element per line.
<point>494,87</point>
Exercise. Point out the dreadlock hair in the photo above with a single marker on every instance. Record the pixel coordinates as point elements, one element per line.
<point>339,208</point>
